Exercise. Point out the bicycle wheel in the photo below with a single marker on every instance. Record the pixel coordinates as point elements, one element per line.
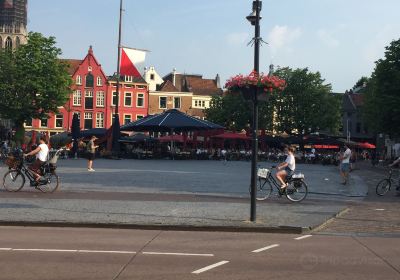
<point>52,183</point>
<point>383,187</point>
<point>296,191</point>
<point>264,189</point>
<point>13,180</point>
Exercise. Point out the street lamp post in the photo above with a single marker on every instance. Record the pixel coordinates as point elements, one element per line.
<point>254,19</point>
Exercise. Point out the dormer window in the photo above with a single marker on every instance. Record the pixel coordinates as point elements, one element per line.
<point>78,80</point>
<point>129,79</point>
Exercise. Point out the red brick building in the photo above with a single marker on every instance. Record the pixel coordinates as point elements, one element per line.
<point>93,98</point>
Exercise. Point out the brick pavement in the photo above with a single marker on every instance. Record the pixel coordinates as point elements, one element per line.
<point>375,214</point>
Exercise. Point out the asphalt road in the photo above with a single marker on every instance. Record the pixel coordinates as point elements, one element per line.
<point>72,253</point>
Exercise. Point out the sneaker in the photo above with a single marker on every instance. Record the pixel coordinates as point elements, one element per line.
<point>91,169</point>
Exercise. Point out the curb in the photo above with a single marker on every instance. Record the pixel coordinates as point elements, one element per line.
<point>330,220</point>
<point>166,227</point>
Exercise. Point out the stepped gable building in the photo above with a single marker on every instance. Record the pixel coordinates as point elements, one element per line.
<point>13,21</point>
<point>133,99</point>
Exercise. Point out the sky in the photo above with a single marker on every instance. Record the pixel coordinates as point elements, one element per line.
<point>341,39</point>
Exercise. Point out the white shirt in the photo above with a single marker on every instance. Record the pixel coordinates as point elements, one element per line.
<point>42,154</point>
<point>291,162</point>
<point>346,156</point>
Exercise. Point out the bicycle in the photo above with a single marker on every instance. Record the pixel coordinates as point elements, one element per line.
<point>295,191</point>
<point>14,179</point>
<point>384,185</point>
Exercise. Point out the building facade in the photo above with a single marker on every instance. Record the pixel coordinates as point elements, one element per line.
<point>133,101</point>
<point>13,21</point>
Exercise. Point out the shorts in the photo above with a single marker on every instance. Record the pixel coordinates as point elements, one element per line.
<point>35,167</point>
<point>90,156</point>
<point>345,167</point>
<point>289,171</point>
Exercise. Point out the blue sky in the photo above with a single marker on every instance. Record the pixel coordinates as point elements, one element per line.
<point>339,38</point>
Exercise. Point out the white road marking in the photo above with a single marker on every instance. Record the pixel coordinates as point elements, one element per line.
<point>68,251</point>
<point>265,248</point>
<point>380,209</point>
<point>210,267</point>
<point>178,254</point>
<point>303,237</point>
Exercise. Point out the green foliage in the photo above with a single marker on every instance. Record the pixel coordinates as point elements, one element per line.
<point>306,104</point>
<point>382,98</point>
<point>363,80</point>
<point>33,81</point>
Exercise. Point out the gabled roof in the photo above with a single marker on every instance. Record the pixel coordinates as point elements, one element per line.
<point>167,86</point>
<point>200,86</point>
<point>358,99</point>
<point>72,64</point>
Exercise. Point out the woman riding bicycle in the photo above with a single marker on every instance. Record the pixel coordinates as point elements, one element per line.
<point>286,168</point>
<point>41,153</point>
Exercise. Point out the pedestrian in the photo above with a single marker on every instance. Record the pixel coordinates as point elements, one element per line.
<point>345,164</point>
<point>91,152</point>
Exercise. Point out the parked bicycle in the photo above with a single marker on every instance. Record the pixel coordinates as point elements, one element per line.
<point>14,179</point>
<point>385,185</point>
<point>295,191</point>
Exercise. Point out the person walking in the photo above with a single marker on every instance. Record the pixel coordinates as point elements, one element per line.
<point>345,164</point>
<point>91,152</point>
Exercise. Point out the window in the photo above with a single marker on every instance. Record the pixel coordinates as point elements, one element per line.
<point>177,102</point>
<point>59,121</point>
<point>89,68</point>
<point>43,122</point>
<point>128,99</point>
<point>129,79</point>
<point>99,81</point>
<point>163,102</point>
<point>141,87</point>
<point>127,119</point>
<point>114,99</point>
<point>88,121</point>
<point>8,44</point>
<point>140,100</point>
<point>78,80</point>
<point>100,120</point>
<point>9,29</point>
<point>17,42</point>
<point>138,117</point>
<point>89,80</point>
<point>88,99</point>
<point>100,96</point>
<point>77,98</point>
<point>129,86</point>
<point>203,103</point>
<point>28,123</point>
<point>152,77</point>
<point>79,117</point>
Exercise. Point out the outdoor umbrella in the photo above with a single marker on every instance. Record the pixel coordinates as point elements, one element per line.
<point>366,145</point>
<point>170,121</point>
<point>98,132</point>
<point>76,133</point>
<point>140,137</point>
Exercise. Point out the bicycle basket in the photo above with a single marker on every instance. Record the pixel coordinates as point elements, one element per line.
<point>298,176</point>
<point>262,172</point>
<point>12,162</point>
<point>54,159</point>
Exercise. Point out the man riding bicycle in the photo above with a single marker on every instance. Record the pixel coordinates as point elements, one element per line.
<point>41,152</point>
<point>394,163</point>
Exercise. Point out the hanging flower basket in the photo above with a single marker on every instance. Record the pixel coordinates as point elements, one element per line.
<point>247,85</point>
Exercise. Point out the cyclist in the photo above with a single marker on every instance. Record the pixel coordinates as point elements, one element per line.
<point>394,163</point>
<point>286,168</point>
<point>41,152</point>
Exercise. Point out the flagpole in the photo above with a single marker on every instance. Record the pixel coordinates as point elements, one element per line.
<point>116,125</point>
<point>119,57</point>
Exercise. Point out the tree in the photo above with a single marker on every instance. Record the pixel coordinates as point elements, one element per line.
<point>382,97</point>
<point>306,104</point>
<point>33,81</point>
<point>361,82</point>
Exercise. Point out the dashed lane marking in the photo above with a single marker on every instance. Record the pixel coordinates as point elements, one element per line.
<point>302,237</point>
<point>265,248</point>
<point>178,254</point>
<point>201,270</point>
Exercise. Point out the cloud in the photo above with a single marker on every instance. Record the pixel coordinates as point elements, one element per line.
<point>328,38</point>
<point>281,37</point>
<point>237,38</point>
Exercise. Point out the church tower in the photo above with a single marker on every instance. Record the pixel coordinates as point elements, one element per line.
<point>13,21</point>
